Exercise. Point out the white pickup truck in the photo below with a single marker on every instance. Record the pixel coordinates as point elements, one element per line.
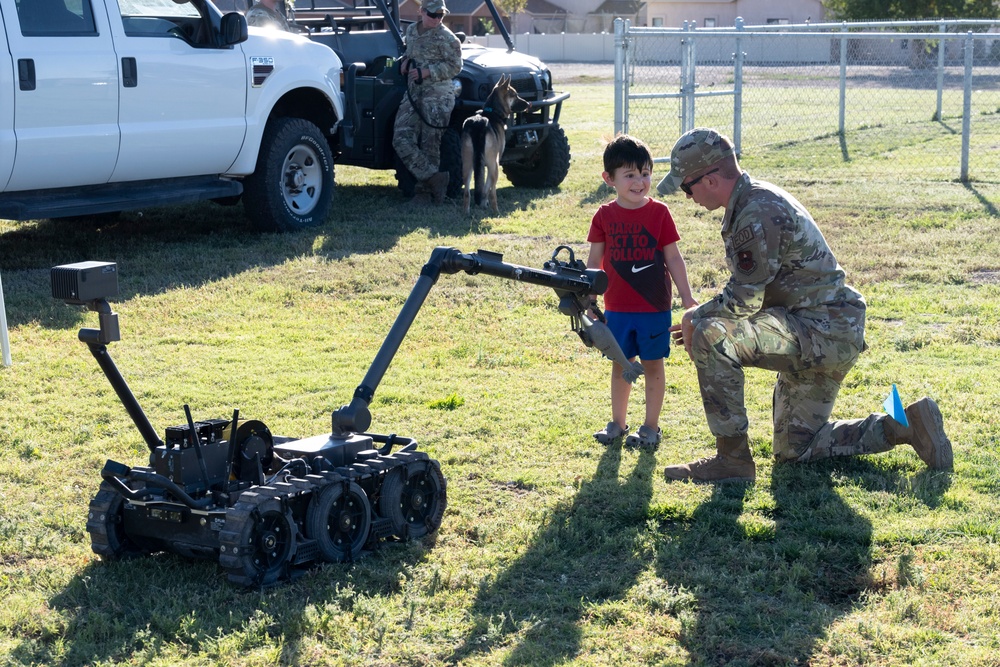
<point>110,105</point>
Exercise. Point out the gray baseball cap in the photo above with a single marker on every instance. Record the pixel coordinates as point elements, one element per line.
<point>692,155</point>
<point>435,6</point>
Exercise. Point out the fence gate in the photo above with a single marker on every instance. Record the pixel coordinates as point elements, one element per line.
<point>849,94</point>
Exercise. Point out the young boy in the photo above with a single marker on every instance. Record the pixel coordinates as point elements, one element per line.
<point>634,240</point>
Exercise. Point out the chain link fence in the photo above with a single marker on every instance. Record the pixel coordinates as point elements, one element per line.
<point>926,93</point>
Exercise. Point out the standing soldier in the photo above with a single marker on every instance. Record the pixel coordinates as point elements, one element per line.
<point>786,308</point>
<point>433,58</point>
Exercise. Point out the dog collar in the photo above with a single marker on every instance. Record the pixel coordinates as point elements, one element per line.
<point>490,112</point>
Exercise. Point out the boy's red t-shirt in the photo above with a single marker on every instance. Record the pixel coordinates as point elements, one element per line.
<point>638,280</point>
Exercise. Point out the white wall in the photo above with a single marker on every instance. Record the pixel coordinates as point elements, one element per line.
<point>601,47</point>
<point>557,48</point>
<point>724,12</point>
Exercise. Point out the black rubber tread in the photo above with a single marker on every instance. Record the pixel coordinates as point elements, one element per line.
<point>547,167</point>
<point>376,519</point>
<point>107,532</point>
<point>258,516</point>
<point>339,518</point>
<point>414,498</point>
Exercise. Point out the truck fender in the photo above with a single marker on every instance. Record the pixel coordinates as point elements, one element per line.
<point>302,84</point>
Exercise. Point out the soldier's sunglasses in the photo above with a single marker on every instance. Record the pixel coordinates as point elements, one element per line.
<point>433,15</point>
<point>686,187</point>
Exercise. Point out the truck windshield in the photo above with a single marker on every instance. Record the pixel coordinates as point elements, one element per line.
<point>163,8</point>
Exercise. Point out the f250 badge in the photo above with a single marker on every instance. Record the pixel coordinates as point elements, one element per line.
<point>262,68</point>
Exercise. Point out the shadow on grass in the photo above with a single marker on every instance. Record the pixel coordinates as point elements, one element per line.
<point>582,557</point>
<point>128,612</point>
<point>767,591</point>
<point>989,206</point>
<point>769,588</point>
<point>158,250</point>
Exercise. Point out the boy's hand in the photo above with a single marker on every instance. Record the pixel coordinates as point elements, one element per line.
<point>682,332</point>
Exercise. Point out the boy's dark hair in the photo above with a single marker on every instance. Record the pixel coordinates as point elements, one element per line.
<point>626,151</point>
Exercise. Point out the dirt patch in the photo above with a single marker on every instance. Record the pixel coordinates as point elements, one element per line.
<point>985,277</point>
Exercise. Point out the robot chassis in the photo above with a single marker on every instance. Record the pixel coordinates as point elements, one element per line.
<point>265,506</point>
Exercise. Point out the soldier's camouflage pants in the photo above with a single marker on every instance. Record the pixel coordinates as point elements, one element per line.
<point>418,144</point>
<point>804,394</point>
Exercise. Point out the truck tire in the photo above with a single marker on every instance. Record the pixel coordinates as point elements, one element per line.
<point>292,186</point>
<point>547,167</point>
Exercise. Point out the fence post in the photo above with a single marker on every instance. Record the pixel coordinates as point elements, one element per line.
<point>967,107</point>
<point>843,81</point>
<point>738,87</point>
<point>687,79</point>
<point>620,77</point>
<point>940,73</point>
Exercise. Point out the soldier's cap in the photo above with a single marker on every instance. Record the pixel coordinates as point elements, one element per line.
<point>435,7</point>
<point>692,155</point>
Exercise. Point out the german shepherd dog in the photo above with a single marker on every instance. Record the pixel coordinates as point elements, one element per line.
<point>483,141</point>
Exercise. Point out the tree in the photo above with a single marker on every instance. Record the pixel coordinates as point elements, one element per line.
<point>869,10</point>
<point>508,9</point>
<point>511,7</point>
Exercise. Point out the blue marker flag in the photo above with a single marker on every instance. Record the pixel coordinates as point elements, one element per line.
<point>894,407</point>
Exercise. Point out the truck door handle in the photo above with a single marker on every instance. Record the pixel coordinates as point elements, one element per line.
<point>26,73</point>
<point>130,76</point>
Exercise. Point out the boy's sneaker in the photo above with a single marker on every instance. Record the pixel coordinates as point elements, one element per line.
<point>611,434</point>
<point>645,438</point>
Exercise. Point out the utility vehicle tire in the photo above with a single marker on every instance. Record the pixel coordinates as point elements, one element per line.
<point>414,498</point>
<point>339,518</point>
<point>106,526</point>
<point>451,161</point>
<point>258,541</point>
<point>406,181</point>
<point>547,168</point>
<point>292,186</point>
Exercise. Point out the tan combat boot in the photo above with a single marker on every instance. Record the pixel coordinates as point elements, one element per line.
<point>925,434</point>
<point>438,185</point>
<point>733,463</point>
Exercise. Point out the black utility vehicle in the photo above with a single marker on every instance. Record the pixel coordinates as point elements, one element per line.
<point>368,39</point>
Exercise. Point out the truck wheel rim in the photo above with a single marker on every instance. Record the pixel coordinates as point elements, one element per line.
<point>302,179</point>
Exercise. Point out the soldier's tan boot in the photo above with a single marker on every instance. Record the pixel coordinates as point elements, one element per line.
<point>732,463</point>
<point>925,434</point>
<point>438,185</point>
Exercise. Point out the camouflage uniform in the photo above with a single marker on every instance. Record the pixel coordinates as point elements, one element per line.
<point>785,308</point>
<point>264,17</point>
<point>417,143</point>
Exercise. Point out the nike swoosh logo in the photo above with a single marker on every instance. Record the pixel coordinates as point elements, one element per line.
<point>636,269</point>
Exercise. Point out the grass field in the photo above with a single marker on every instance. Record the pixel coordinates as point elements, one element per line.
<point>553,550</point>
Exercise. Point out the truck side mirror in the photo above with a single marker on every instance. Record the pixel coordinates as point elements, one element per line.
<point>234,29</point>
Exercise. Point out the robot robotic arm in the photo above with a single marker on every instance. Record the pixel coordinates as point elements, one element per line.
<point>572,281</point>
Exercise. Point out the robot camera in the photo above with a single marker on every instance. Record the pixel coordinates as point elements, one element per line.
<point>84,282</point>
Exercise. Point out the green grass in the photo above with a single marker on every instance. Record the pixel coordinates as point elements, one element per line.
<point>553,550</point>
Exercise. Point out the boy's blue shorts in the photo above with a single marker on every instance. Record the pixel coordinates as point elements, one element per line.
<point>643,335</point>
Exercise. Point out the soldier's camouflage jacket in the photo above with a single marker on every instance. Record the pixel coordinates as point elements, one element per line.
<point>437,49</point>
<point>778,258</point>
